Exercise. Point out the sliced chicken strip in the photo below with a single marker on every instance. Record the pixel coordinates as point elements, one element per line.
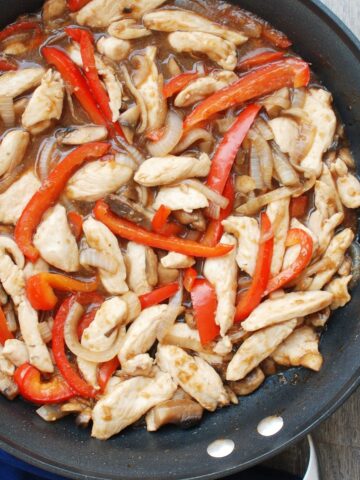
<point>8,245</point>
<point>53,10</point>
<point>347,184</point>
<point>222,274</point>
<point>218,50</point>
<point>140,7</point>
<point>278,213</point>
<point>223,346</point>
<point>6,366</point>
<point>325,200</point>
<point>113,48</point>
<point>140,277</point>
<point>97,179</point>
<point>292,253</point>
<point>100,13</point>
<point>89,370</point>
<point>13,84</point>
<point>16,351</point>
<point>12,149</point>
<point>128,401</point>
<point>12,278</point>
<point>327,178</point>
<point>140,365</point>
<point>16,197</point>
<point>339,288</point>
<point>177,260</point>
<point>186,21</point>
<point>83,134</point>
<point>98,236</point>
<point>286,132</point>
<point>128,29</point>
<point>291,305</point>
<point>324,229</point>
<point>195,376</point>
<point>319,319</point>
<point>301,348</point>
<point>55,241</point>
<point>256,348</point>
<point>181,197</point>
<point>165,170</point>
<point>247,232</point>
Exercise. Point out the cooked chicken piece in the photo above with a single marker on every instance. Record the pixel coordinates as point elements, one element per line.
<point>335,253</point>
<point>38,353</point>
<point>13,84</point>
<point>320,318</point>
<point>165,170</point>
<point>291,305</point>
<point>8,387</point>
<point>8,245</point>
<point>113,48</point>
<point>186,21</point>
<point>140,7</point>
<point>141,277</point>
<point>133,306</point>
<point>325,200</point>
<point>327,178</point>
<point>249,384</point>
<point>346,267</point>
<point>278,213</point>
<point>276,102</point>
<point>128,29</point>
<point>89,370</point>
<point>339,288</point>
<point>16,351</point>
<point>150,88</point>
<point>324,228</point>
<point>177,260</point>
<point>181,197</point>
<point>12,149</point>
<point>128,402</point>
<point>166,275</point>
<point>46,103</point>
<point>53,9</point>
<point>33,268</point>
<point>100,13</point>
<point>6,366</point>
<point>16,197</point>
<point>256,348</point>
<point>83,134</point>
<point>322,117</point>
<point>247,232</point>
<point>300,348</point>
<point>203,87</point>
<point>223,346</point>
<point>140,365</point>
<point>218,50</point>
<point>292,252</point>
<point>195,376</point>
<point>286,132</point>
<point>348,186</point>
<point>12,278</point>
<point>222,274</point>
<point>98,236</point>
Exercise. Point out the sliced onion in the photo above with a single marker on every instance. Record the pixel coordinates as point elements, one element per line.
<point>210,194</point>
<point>10,246</point>
<point>177,299</point>
<point>71,104</point>
<point>173,67</point>
<point>213,211</point>
<point>264,129</point>
<point>143,194</point>
<point>194,136</point>
<point>7,111</point>
<point>8,179</point>
<point>298,98</point>
<point>51,413</point>
<point>255,168</point>
<point>3,296</point>
<point>138,98</point>
<point>224,124</point>
<point>126,160</point>
<point>255,204</point>
<point>73,344</point>
<point>170,138</point>
<point>284,170</point>
<point>45,332</point>
<point>45,158</point>
<point>10,317</point>
<point>132,151</point>
<point>264,153</point>
<point>304,142</point>
<point>93,258</point>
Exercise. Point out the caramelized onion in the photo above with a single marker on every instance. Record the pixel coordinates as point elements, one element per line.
<point>255,204</point>
<point>284,170</point>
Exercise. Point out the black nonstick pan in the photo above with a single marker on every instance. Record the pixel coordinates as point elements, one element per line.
<point>301,398</point>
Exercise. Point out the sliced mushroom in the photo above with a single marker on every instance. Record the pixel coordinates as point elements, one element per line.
<point>249,384</point>
<point>184,413</point>
<point>83,134</point>
<point>195,220</point>
<point>132,211</point>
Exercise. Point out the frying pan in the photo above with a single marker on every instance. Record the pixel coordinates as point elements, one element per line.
<point>302,398</point>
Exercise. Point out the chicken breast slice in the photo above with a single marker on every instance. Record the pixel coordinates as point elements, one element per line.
<point>97,179</point>
<point>218,50</point>
<point>128,29</point>
<point>165,170</point>
<point>33,268</point>
<point>53,10</point>
<point>322,117</point>
<point>222,274</point>
<point>113,48</point>
<point>327,178</point>
<point>291,253</point>
<point>301,348</point>
<point>13,84</point>
<point>6,366</point>
<point>140,7</point>
<point>247,232</point>
<point>100,13</point>
<point>279,216</point>
<point>140,365</point>
<point>83,134</point>
<point>339,289</point>
<point>181,197</point>
<point>98,236</point>
<point>291,305</point>
<point>17,196</point>
<point>142,276</point>
<point>256,348</point>
<point>325,200</point>
<point>12,149</point>
<point>16,351</point>
<point>128,401</point>
<point>186,21</point>
<point>89,370</point>
<point>12,278</point>
<point>195,376</point>
<point>286,132</point>
<point>324,228</point>
<point>347,184</point>
<point>177,260</point>
<point>55,241</point>
<point>46,103</point>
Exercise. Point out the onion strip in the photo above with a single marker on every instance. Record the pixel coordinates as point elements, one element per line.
<point>255,204</point>
<point>283,168</point>
<point>170,138</point>
<point>138,98</point>
<point>7,111</point>
<point>44,159</point>
<point>93,258</point>
<point>194,136</point>
<point>210,194</point>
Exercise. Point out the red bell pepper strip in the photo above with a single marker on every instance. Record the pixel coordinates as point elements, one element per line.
<point>73,76</point>
<point>106,371</point>
<point>160,225</point>
<point>6,65</point>
<point>49,192</point>
<point>289,72</point>
<point>32,388</point>
<point>58,345</point>
<point>295,236</point>
<point>190,276</point>
<point>158,295</point>
<point>252,297</point>
<point>75,5</point>
<point>93,299</point>
<point>298,206</point>
<point>21,27</point>
<point>277,38</point>
<point>76,224</point>
<point>178,83</point>
<point>204,303</point>
<point>259,59</point>
<point>128,230</point>
<point>5,333</point>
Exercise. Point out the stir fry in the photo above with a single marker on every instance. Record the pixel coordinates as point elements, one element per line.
<point>176,209</point>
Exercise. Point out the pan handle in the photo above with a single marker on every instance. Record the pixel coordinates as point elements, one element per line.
<point>312,472</point>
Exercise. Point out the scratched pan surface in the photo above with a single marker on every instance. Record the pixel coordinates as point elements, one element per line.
<point>303,399</point>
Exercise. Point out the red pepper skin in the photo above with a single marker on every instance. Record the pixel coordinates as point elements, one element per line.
<point>295,236</point>
<point>160,225</point>
<point>251,299</point>
<point>298,206</point>
<point>258,60</point>
<point>5,333</point>
<point>289,72</point>
<point>34,390</point>
<point>125,229</point>
<point>76,224</point>
<point>75,5</point>
<point>106,371</point>
<point>178,83</point>
<point>277,38</point>
<point>21,27</point>
<point>73,76</point>
<point>158,295</point>
<point>6,65</point>
<point>58,345</point>
<point>204,303</point>
<point>49,192</point>
<point>189,278</point>
<point>93,299</point>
